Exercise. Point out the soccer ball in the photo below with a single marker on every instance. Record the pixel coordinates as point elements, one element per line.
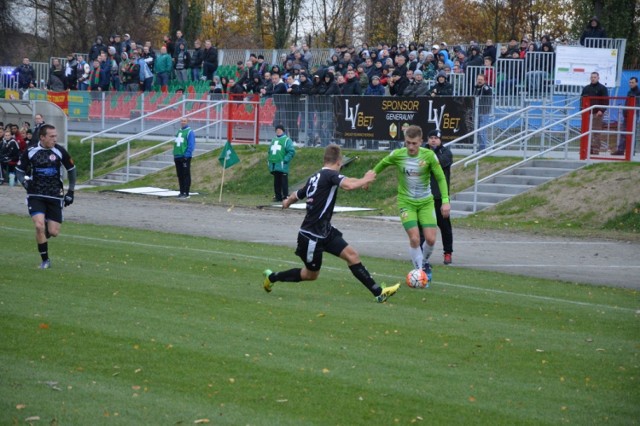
<point>417,279</point>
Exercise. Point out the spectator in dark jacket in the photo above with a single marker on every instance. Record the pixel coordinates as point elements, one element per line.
<point>375,88</point>
<point>196,61</point>
<point>26,75</point>
<point>97,48</point>
<point>593,30</point>
<point>442,87</point>
<point>209,60</point>
<point>352,84</point>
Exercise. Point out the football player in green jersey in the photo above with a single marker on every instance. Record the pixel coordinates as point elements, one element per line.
<point>415,200</point>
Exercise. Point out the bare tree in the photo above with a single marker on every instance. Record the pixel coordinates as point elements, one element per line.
<point>283,14</point>
<point>71,25</point>
<point>385,17</point>
<point>420,17</point>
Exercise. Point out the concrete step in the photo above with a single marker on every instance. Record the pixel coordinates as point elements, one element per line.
<point>140,170</point>
<point>483,197</point>
<point>504,188</point>
<point>122,176</point>
<point>156,164</point>
<point>520,180</point>
<point>104,182</point>
<point>558,164</point>
<point>467,206</point>
<point>538,171</point>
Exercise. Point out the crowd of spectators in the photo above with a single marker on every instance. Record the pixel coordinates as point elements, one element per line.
<point>121,64</point>
<point>15,140</point>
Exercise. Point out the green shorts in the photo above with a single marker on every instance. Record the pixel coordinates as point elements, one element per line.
<point>413,212</point>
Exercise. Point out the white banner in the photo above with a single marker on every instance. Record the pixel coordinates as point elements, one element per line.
<point>574,65</point>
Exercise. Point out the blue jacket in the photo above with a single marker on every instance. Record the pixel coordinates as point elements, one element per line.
<point>191,143</point>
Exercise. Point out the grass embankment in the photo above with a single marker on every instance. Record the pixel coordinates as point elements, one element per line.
<point>140,328</point>
<point>601,200</point>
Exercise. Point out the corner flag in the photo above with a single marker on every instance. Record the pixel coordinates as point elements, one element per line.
<point>228,156</point>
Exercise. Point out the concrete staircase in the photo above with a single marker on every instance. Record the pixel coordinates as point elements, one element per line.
<point>149,165</point>
<point>511,183</point>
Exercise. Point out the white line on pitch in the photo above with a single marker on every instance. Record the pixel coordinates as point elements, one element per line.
<point>333,269</point>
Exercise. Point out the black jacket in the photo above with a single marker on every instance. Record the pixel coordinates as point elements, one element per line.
<point>351,87</point>
<point>597,89</point>
<point>445,157</point>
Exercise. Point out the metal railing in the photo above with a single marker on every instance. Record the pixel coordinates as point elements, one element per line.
<point>521,141</point>
<point>209,113</point>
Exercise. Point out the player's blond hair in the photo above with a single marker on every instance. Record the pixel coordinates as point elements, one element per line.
<point>332,154</point>
<point>413,132</point>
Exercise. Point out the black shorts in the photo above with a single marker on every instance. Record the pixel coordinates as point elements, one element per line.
<point>50,207</point>
<point>310,249</point>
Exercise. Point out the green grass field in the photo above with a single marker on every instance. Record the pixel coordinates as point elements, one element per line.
<point>144,328</point>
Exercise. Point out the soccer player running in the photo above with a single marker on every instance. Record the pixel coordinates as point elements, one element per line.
<point>415,200</point>
<point>317,235</point>
<point>40,172</point>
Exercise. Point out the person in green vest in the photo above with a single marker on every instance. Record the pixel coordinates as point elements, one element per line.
<point>281,153</point>
<point>183,147</point>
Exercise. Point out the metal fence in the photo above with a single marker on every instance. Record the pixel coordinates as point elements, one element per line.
<point>309,119</point>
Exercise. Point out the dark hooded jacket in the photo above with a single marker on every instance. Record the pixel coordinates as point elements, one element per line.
<point>330,86</point>
<point>593,32</point>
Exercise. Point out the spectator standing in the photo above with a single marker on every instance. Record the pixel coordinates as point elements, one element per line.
<point>484,98</point>
<point>490,50</point>
<point>97,49</point>
<point>129,73</point>
<point>95,78</point>
<point>170,45</point>
<point>56,76</point>
<point>181,62</point>
<point>9,155</point>
<point>593,30</point>
<point>180,39</point>
<point>26,75</point>
<point>114,68</point>
<point>163,68</point>
<point>127,45</point>
<point>209,60</point>
<point>489,72</point>
<point>317,235</point>
<point>146,76</point>
<point>70,75</point>
<point>149,57</point>
<point>628,115</point>
<point>45,190</point>
<point>196,61</point>
<point>183,148</point>
<point>281,152</point>
<point>83,71</point>
<point>598,92</point>
<point>293,108</point>
<point>445,158</point>
<point>39,122</point>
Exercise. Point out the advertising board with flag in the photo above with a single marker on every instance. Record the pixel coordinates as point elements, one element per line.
<point>228,156</point>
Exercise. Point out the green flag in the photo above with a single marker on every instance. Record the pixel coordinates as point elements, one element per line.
<point>228,156</point>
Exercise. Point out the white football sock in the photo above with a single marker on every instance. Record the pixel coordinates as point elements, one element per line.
<point>416,257</point>
<point>426,251</point>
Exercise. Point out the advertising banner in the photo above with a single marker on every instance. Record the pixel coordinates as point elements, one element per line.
<point>384,118</point>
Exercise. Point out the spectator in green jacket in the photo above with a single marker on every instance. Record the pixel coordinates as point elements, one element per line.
<point>163,67</point>
<point>281,153</point>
